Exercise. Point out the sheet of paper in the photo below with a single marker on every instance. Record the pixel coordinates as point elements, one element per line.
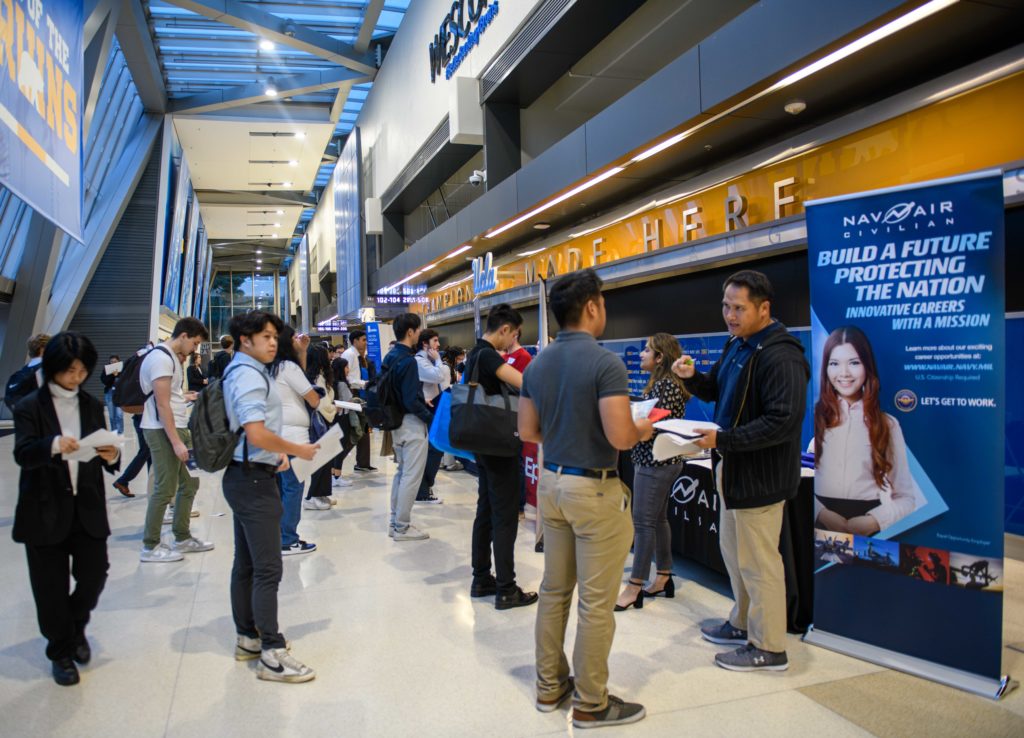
<point>330,446</point>
<point>349,405</point>
<point>84,453</point>
<point>677,438</point>
<point>113,368</point>
<point>642,408</point>
<point>102,437</point>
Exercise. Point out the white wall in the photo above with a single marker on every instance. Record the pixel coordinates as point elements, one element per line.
<point>403,107</point>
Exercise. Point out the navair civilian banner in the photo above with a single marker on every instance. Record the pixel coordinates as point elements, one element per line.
<point>907,321</point>
<point>40,107</point>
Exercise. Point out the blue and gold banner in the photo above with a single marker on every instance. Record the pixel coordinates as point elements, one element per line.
<point>908,326</point>
<point>41,107</point>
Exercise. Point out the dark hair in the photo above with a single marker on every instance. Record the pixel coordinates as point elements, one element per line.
<point>197,358</point>
<point>285,350</point>
<point>426,335</point>
<point>355,335</point>
<point>759,288</point>
<point>571,293</point>
<point>318,362</point>
<point>404,323</point>
<point>226,342</point>
<point>191,327</point>
<point>253,322</point>
<point>503,314</point>
<point>113,358</point>
<point>451,354</point>
<point>62,350</point>
<point>36,344</point>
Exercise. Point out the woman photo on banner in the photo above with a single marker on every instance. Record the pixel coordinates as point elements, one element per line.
<point>863,482</point>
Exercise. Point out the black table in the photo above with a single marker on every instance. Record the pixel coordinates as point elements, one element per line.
<point>693,515</point>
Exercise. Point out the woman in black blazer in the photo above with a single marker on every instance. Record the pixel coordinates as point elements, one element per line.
<point>61,515</point>
<point>196,380</point>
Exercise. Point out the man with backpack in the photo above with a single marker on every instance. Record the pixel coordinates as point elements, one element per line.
<point>404,394</point>
<point>27,379</point>
<point>165,428</point>
<point>254,411</point>
<point>223,357</point>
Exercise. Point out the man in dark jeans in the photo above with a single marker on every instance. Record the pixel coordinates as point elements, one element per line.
<point>759,387</point>
<point>142,458</point>
<point>250,488</point>
<point>497,508</point>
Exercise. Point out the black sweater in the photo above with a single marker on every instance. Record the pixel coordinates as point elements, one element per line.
<point>761,452</point>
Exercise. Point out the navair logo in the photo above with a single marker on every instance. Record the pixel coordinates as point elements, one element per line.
<point>485,275</point>
<point>905,400</point>
<point>684,489</point>
<point>901,217</point>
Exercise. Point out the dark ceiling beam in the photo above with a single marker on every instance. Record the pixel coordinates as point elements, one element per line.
<point>281,31</point>
<point>233,97</point>
<point>370,19</point>
<point>139,53</point>
<point>98,36</point>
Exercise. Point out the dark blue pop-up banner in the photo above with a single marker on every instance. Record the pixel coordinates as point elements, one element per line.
<point>907,322</point>
<point>41,106</point>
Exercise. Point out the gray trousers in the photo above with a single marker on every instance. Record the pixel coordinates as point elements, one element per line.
<point>652,486</point>
<point>256,504</point>
<point>411,446</point>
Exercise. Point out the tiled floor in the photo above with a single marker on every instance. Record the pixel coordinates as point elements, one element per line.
<point>399,647</point>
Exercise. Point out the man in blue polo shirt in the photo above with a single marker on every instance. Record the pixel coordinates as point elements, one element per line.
<point>250,488</point>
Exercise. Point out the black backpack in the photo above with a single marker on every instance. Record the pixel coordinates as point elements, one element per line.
<point>383,401</point>
<point>128,394</point>
<point>213,441</point>
<point>21,384</point>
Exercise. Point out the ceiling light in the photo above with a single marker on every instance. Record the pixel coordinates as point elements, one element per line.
<point>300,134</point>
<point>280,212</point>
<point>293,163</point>
<point>271,89</point>
<point>535,251</point>
<point>541,226</point>
<point>266,44</point>
<point>286,184</point>
<point>561,198</point>
<point>259,251</point>
<point>431,266</point>
<point>274,235</point>
<point>277,225</point>
<point>259,261</point>
<point>795,107</point>
<point>460,250</point>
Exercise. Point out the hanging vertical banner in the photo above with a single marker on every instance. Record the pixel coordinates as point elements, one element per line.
<point>40,107</point>
<point>908,313</point>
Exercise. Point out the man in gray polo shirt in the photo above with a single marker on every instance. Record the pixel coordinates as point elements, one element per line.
<point>575,400</point>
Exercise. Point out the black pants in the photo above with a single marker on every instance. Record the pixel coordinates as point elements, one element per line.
<point>142,456</point>
<point>430,472</point>
<point>63,614</point>
<point>319,484</point>
<point>363,451</point>
<point>346,444</point>
<point>256,503</point>
<point>497,519</point>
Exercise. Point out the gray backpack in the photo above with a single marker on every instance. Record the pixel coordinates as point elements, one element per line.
<point>213,441</point>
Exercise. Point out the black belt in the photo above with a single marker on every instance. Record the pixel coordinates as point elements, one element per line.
<point>578,472</point>
<point>269,468</point>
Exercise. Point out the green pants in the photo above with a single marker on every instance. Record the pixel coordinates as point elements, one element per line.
<point>171,481</point>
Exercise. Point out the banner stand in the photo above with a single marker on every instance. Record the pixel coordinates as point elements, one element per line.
<point>965,680</point>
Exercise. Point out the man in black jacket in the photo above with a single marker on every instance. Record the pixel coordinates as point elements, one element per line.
<point>410,438</point>
<point>759,387</point>
<point>221,360</point>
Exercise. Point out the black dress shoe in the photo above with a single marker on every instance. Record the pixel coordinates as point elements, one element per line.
<point>83,653</point>
<point>483,587</point>
<point>515,598</point>
<point>65,673</point>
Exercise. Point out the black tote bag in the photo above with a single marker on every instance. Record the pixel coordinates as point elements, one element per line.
<point>482,423</point>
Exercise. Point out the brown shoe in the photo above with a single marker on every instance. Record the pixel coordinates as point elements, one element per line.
<point>551,705</point>
<point>123,489</point>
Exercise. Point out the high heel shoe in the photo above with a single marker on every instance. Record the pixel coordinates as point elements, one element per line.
<point>669,590</point>
<point>638,603</point>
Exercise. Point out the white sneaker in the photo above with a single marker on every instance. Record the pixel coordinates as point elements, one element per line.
<point>412,533</point>
<point>277,665</point>
<point>340,482</point>
<point>168,516</point>
<point>247,648</point>
<point>192,545</point>
<point>160,554</point>
<point>316,503</point>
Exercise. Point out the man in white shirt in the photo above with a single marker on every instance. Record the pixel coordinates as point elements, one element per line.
<point>436,379</point>
<point>355,355</point>
<point>165,428</point>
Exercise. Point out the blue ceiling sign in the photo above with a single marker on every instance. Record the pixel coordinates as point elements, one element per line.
<point>458,34</point>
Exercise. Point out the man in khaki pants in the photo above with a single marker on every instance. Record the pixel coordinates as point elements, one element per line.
<point>759,387</point>
<point>575,400</point>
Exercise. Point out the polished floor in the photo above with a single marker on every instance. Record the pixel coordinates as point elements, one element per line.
<point>401,650</point>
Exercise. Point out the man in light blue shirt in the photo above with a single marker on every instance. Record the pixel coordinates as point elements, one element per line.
<point>250,488</point>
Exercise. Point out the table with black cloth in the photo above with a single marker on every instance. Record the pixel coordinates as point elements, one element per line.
<point>693,512</point>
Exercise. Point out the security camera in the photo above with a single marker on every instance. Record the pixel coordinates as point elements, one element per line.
<point>478,177</point>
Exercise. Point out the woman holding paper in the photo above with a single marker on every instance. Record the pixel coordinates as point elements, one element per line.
<point>61,515</point>
<point>863,482</point>
<point>318,371</point>
<point>297,394</point>
<point>653,480</point>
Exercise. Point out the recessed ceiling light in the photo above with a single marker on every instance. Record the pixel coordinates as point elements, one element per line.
<point>277,225</point>
<point>266,44</point>
<point>541,226</point>
<point>259,261</point>
<point>293,163</point>
<point>300,134</point>
<point>274,235</point>
<point>259,251</point>
<point>271,89</point>
<point>795,107</point>
<point>286,184</point>
<point>280,212</point>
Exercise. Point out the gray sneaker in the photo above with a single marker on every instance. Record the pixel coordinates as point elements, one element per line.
<point>412,533</point>
<point>277,665</point>
<point>192,545</point>
<point>724,633</point>
<point>160,554</point>
<point>617,712</point>
<point>752,658</point>
<point>247,648</point>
